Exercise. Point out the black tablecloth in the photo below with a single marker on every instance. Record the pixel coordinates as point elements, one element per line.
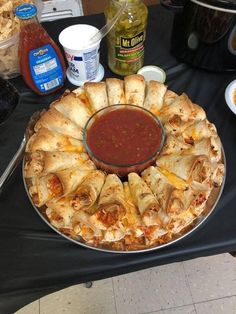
<point>34,260</point>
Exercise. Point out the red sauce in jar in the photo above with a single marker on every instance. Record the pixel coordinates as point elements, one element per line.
<point>33,36</point>
<point>124,137</point>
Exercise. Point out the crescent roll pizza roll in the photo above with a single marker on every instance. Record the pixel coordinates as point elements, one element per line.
<point>115,91</point>
<point>132,219</point>
<point>208,173</point>
<point>178,202</point>
<point>60,212</point>
<point>56,121</point>
<point>47,140</point>
<point>155,92</point>
<point>84,228</point>
<point>72,177</point>
<point>169,97</point>
<point>217,174</point>
<point>97,95</point>
<point>80,93</point>
<point>139,233</point>
<point>175,125</point>
<point>40,162</point>
<point>128,229</point>
<point>111,203</point>
<point>45,188</point>
<point>74,107</point>
<point>145,200</point>
<point>200,194</point>
<point>134,89</point>
<point>177,224</point>
<point>88,191</point>
<point>180,107</point>
<point>159,184</point>
<point>178,210</point>
<point>210,147</point>
<point>198,113</point>
<point>198,131</point>
<point>174,145</point>
<point>184,167</point>
<point>184,206</point>
<point>113,235</point>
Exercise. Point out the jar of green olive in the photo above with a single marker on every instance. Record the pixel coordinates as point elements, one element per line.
<point>126,40</point>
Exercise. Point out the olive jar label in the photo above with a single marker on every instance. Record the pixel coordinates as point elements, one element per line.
<point>130,49</point>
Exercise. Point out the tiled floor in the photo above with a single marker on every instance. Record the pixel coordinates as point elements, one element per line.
<point>201,286</point>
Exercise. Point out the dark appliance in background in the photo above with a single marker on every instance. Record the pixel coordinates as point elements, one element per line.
<point>204,33</point>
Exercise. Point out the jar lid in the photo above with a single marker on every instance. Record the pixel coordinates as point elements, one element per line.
<point>224,5</point>
<point>26,11</point>
<point>152,72</point>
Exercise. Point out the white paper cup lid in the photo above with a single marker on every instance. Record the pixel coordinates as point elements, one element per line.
<point>152,72</point>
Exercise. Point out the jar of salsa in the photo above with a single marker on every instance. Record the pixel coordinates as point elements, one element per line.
<point>126,40</point>
<point>41,62</point>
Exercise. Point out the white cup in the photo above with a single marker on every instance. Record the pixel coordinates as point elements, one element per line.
<point>83,59</point>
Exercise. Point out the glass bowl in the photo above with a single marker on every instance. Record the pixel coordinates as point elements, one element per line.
<point>122,170</point>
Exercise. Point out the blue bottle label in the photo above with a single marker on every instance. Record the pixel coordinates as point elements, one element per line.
<point>46,69</point>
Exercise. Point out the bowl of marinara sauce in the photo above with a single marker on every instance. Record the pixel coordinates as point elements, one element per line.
<point>123,138</point>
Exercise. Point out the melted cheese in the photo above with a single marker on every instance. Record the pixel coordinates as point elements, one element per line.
<point>84,99</point>
<point>173,179</point>
<point>194,134</point>
<point>155,111</point>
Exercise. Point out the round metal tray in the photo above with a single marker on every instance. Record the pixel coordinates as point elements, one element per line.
<point>209,209</point>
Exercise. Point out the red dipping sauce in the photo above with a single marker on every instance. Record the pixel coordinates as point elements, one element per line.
<point>124,138</point>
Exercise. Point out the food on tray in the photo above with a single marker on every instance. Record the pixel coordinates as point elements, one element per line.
<point>134,90</point>
<point>42,162</point>
<point>147,205</point>
<point>88,191</point>
<point>155,96</point>
<point>111,203</point>
<point>145,208</point>
<point>54,120</point>
<point>97,95</point>
<point>47,140</point>
<point>210,146</point>
<point>60,213</point>
<point>74,106</point>
<point>115,91</point>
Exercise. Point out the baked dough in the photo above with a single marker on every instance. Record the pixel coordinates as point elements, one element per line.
<point>149,209</point>
<point>134,89</point>
<point>115,91</point>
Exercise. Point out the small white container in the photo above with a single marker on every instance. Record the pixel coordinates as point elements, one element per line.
<point>230,96</point>
<point>152,72</point>
<point>83,59</point>
<point>9,60</point>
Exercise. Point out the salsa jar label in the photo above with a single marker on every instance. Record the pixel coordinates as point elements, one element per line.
<point>46,68</point>
<point>130,49</point>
